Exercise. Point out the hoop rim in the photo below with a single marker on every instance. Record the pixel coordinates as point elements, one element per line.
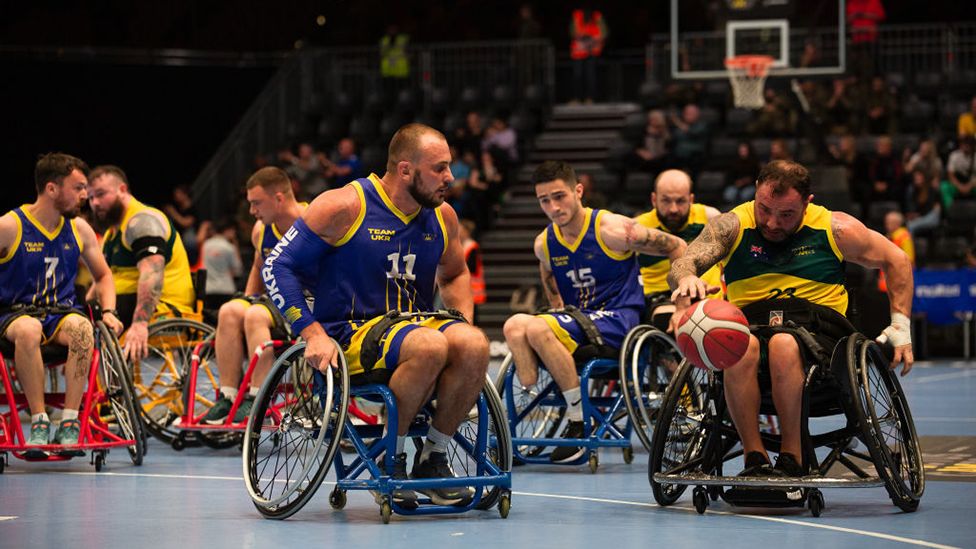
<point>757,65</point>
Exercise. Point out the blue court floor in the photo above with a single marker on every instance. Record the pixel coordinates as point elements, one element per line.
<point>196,498</point>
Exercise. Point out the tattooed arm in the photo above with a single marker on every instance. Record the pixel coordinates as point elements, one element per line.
<point>150,285</point>
<point>709,248</point>
<point>622,234</point>
<point>548,279</point>
<point>104,285</point>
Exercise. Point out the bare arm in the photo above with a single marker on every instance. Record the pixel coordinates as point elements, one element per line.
<point>254,284</point>
<point>8,233</point>
<point>453,277</point>
<point>150,285</point>
<point>549,285</point>
<point>104,285</point>
<point>709,248</point>
<point>623,234</point>
<point>711,213</point>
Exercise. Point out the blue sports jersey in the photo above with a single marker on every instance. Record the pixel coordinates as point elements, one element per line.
<point>41,266</point>
<point>269,237</point>
<point>591,276</point>
<point>386,261</point>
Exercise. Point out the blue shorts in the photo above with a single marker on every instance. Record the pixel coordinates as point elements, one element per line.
<point>613,326</point>
<point>390,342</point>
<point>50,323</point>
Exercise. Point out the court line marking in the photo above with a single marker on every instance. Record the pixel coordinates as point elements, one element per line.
<point>7,518</point>
<point>943,377</point>
<point>947,419</point>
<point>867,533</point>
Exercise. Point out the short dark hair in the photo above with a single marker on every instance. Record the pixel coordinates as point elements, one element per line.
<point>271,179</point>
<point>108,169</point>
<point>551,170</point>
<point>55,167</point>
<point>405,143</point>
<point>784,175</point>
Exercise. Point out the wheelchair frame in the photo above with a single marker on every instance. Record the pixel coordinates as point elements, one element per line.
<point>315,432</point>
<point>108,386</point>
<point>697,438</point>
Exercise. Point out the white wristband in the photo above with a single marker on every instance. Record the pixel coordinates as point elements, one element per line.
<point>899,333</point>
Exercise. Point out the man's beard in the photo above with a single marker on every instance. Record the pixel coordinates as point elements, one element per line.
<point>67,210</point>
<point>425,201</point>
<point>113,215</point>
<point>674,224</point>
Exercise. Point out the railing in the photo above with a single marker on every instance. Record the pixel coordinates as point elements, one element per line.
<point>290,95</point>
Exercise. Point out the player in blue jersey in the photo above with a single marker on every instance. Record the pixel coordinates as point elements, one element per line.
<point>274,206</point>
<point>40,245</point>
<point>587,260</point>
<point>379,245</point>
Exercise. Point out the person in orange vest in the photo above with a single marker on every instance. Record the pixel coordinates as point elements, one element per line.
<point>588,32</point>
<point>472,256</point>
<point>896,232</point>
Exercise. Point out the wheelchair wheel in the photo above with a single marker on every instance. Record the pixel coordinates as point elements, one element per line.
<point>543,422</point>
<point>887,425</point>
<point>647,360</point>
<point>121,413</point>
<point>207,386</point>
<point>159,377</point>
<point>293,433</point>
<point>680,431</point>
<point>463,451</point>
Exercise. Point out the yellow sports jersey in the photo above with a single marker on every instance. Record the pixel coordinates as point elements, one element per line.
<point>807,265</point>
<point>177,282</point>
<point>654,268</point>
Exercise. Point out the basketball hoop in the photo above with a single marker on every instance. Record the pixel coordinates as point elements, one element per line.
<point>747,74</point>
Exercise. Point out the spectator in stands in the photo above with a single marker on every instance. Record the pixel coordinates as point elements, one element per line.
<point>741,176</point>
<point>468,137</point>
<point>841,108</point>
<point>472,256</point>
<point>880,108</point>
<point>308,168</point>
<point>961,171</point>
<point>185,218</point>
<point>344,165</point>
<point>592,198</point>
<point>500,142</point>
<point>926,159</point>
<point>528,27</point>
<point>967,120</point>
<point>863,17</point>
<point>222,260</point>
<point>394,62</point>
<point>652,154</point>
<point>476,197</point>
<point>690,139</point>
<point>773,118</point>
<point>845,154</point>
<point>461,166</point>
<point>894,224</point>
<point>779,150</point>
<point>922,205</point>
<point>884,174</point>
<point>588,33</point>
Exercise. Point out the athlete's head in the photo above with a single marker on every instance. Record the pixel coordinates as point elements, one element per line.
<point>108,190</point>
<point>782,196</point>
<point>62,179</point>
<point>268,193</point>
<point>672,198</point>
<point>560,194</point>
<point>420,158</point>
<point>893,220</point>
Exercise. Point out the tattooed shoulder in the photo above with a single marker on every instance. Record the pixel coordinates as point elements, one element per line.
<point>144,224</point>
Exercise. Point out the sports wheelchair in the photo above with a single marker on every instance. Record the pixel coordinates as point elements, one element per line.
<point>301,415</point>
<point>621,394</point>
<point>108,412</point>
<point>858,398</point>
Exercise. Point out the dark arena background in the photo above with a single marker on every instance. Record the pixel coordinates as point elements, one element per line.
<point>879,105</point>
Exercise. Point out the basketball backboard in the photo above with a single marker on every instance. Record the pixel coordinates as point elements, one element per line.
<point>804,37</point>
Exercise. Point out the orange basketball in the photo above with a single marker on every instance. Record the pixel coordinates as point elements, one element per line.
<point>713,334</point>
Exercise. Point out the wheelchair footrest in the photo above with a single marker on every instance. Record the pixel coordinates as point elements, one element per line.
<point>701,479</point>
<point>748,496</point>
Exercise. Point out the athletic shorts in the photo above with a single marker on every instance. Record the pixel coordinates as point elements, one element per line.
<point>280,329</point>
<point>50,323</point>
<point>613,327</point>
<point>389,344</point>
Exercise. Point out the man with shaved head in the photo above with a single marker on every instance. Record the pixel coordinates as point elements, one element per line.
<point>675,212</point>
<point>376,245</point>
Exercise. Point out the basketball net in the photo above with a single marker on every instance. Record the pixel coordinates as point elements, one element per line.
<point>747,74</point>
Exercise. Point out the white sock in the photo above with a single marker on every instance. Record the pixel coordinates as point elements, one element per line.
<point>401,443</point>
<point>574,411</point>
<point>40,417</point>
<point>253,391</point>
<point>230,393</point>
<point>436,442</point>
<point>68,413</point>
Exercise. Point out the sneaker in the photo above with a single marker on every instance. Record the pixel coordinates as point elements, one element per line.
<point>404,498</point>
<point>788,466</point>
<point>436,467</point>
<point>67,435</point>
<point>757,465</point>
<point>218,412</point>
<point>243,410</point>
<point>567,454</point>
<point>40,433</point>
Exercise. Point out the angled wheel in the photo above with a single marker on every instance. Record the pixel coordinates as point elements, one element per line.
<point>207,387</point>
<point>886,421</point>
<point>527,418</point>
<point>680,431</point>
<point>120,412</point>
<point>648,360</point>
<point>293,433</point>
<point>159,377</point>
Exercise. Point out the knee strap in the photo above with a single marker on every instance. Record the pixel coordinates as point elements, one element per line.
<point>590,330</point>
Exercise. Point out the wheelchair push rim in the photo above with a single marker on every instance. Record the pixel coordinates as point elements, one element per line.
<point>123,411</point>
<point>639,378</point>
<point>543,422</point>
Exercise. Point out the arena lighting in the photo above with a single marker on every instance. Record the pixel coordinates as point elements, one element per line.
<point>320,20</point>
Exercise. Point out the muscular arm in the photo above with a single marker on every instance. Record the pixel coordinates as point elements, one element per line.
<point>150,285</point>
<point>254,284</point>
<point>549,285</point>
<point>104,285</point>
<point>870,249</point>
<point>709,248</point>
<point>8,233</point>
<point>623,234</point>
<point>453,276</point>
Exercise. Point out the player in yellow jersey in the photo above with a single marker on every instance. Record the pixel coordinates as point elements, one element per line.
<point>782,254</point>
<point>146,254</point>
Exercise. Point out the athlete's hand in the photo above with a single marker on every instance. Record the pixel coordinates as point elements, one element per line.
<point>321,352</point>
<point>693,288</point>
<point>899,336</point>
<point>113,323</point>
<point>136,347</point>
